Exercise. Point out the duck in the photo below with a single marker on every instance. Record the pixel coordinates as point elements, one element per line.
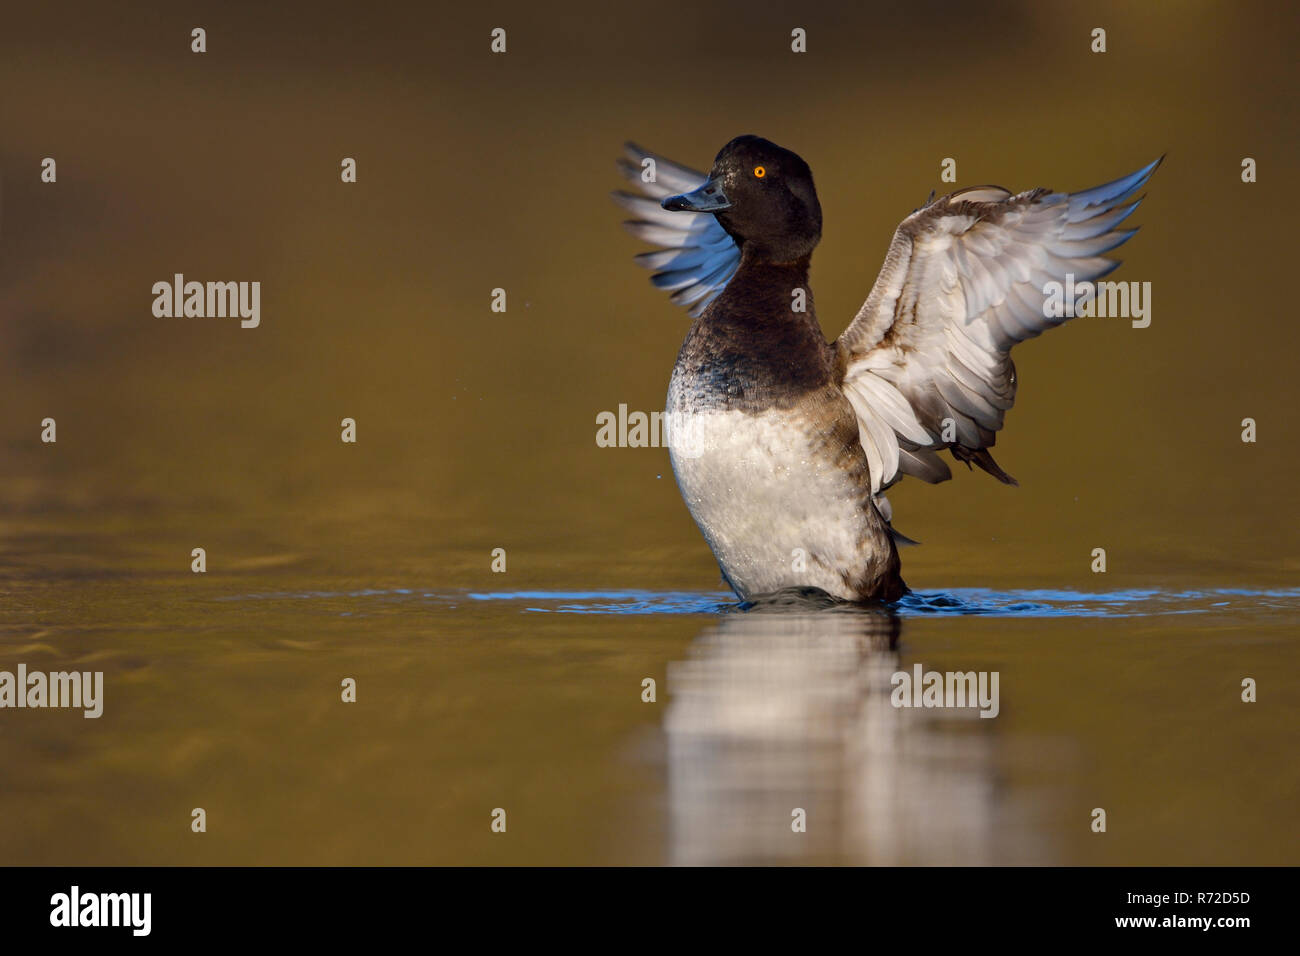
<point>783,443</point>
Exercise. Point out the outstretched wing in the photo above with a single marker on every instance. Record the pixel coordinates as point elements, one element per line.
<point>697,257</point>
<point>962,283</point>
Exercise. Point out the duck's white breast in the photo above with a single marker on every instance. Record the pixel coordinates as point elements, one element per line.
<point>777,509</point>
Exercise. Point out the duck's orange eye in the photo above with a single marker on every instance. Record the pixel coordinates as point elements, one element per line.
<point>759,172</point>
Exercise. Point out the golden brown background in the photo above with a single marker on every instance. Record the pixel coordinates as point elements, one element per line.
<point>476,429</point>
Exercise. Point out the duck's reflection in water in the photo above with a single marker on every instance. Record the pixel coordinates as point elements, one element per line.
<point>776,711</point>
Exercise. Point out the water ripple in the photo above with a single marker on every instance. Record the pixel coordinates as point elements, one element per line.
<point>956,601</point>
<point>988,602</point>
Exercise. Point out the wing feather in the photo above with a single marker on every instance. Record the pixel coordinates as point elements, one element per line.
<point>927,358</point>
<point>697,258</point>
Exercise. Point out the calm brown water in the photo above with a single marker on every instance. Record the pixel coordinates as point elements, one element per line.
<point>523,690</point>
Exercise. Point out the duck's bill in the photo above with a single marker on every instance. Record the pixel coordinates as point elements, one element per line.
<point>708,198</point>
